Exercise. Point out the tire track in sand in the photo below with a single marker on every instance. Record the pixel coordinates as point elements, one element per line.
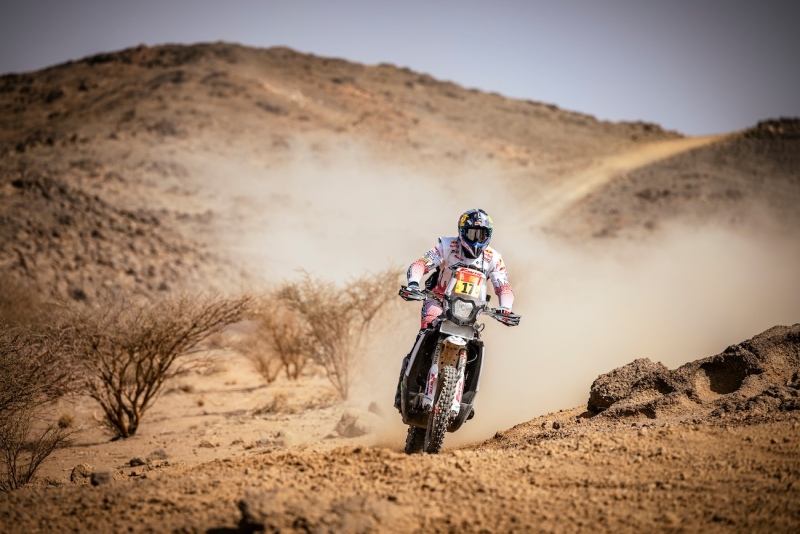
<point>572,189</point>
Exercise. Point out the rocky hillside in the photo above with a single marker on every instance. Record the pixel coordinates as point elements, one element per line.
<point>155,168</point>
<point>750,179</point>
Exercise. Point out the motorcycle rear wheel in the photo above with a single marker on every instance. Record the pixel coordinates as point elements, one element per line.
<point>441,416</point>
<point>415,440</point>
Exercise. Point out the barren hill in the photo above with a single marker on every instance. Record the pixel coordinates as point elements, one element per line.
<point>220,143</point>
<point>632,251</point>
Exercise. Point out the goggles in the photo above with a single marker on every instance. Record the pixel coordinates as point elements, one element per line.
<point>476,235</point>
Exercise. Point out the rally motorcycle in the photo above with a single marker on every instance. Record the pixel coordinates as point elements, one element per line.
<point>442,374</point>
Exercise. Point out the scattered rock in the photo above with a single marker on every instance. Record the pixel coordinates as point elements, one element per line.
<point>284,438</point>
<point>354,423</point>
<point>102,476</point>
<point>291,510</point>
<point>135,462</point>
<point>158,454</point>
<point>81,473</point>
<point>157,458</point>
<point>270,511</point>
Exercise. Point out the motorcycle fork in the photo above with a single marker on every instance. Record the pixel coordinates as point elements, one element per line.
<point>433,379</point>
<point>462,365</point>
<point>451,351</point>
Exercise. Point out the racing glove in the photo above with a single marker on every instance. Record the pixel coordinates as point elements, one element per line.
<point>505,311</point>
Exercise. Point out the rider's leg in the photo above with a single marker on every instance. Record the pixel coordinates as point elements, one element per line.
<point>430,311</point>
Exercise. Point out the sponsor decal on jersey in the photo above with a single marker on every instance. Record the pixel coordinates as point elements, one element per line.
<point>431,256</point>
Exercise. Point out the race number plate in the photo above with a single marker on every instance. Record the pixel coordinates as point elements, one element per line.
<point>468,283</point>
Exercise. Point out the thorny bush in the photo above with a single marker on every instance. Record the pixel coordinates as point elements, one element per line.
<point>280,341</point>
<point>34,374</point>
<point>338,318</point>
<point>129,350</point>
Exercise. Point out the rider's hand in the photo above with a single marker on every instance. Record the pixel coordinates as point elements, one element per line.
<point>410,292</point>
<point>504,312</point>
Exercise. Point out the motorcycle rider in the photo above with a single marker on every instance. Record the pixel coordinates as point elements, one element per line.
<point>470,248</point>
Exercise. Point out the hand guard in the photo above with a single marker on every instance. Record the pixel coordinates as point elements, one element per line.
<point>411,292</point>
<point>505,317</point>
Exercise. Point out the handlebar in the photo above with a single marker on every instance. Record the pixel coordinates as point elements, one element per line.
<point>508,319</point>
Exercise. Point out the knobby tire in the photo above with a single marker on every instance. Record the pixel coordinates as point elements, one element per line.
<point>442,416</point>
<point>415,440</point>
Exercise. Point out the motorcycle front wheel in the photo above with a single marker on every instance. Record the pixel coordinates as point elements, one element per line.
<point>442,415</point>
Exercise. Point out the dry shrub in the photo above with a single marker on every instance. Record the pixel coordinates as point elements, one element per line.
<point>34,373</point>
<point>280,340</point>
<point>262,356</point>
<point>25,447</point>
<point>128,350</point>
<point>279,403</point>
<point>337,319</point>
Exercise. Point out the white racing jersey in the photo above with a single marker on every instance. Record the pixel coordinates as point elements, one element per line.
<point>448,252</point>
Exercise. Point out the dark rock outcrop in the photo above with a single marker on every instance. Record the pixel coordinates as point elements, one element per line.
<point>762,372</point>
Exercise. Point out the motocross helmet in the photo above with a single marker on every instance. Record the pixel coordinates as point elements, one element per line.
<point>474,232</point>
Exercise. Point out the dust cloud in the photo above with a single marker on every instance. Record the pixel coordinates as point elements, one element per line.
<point>676,296</point>
<point>586,310</point>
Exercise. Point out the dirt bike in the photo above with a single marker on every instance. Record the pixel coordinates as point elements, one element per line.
<point>441,376</point>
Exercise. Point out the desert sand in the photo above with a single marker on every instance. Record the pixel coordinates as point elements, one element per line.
<point>645,390</point>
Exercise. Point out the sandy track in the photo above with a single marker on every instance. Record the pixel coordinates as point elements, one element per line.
<point>571,189</point>
<point>598,475</point>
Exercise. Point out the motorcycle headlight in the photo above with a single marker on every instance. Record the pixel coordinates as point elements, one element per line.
<point>462,309</point>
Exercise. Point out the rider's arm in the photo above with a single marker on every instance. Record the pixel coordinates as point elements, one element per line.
<point>502,288</point>
<point>428,262</point>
